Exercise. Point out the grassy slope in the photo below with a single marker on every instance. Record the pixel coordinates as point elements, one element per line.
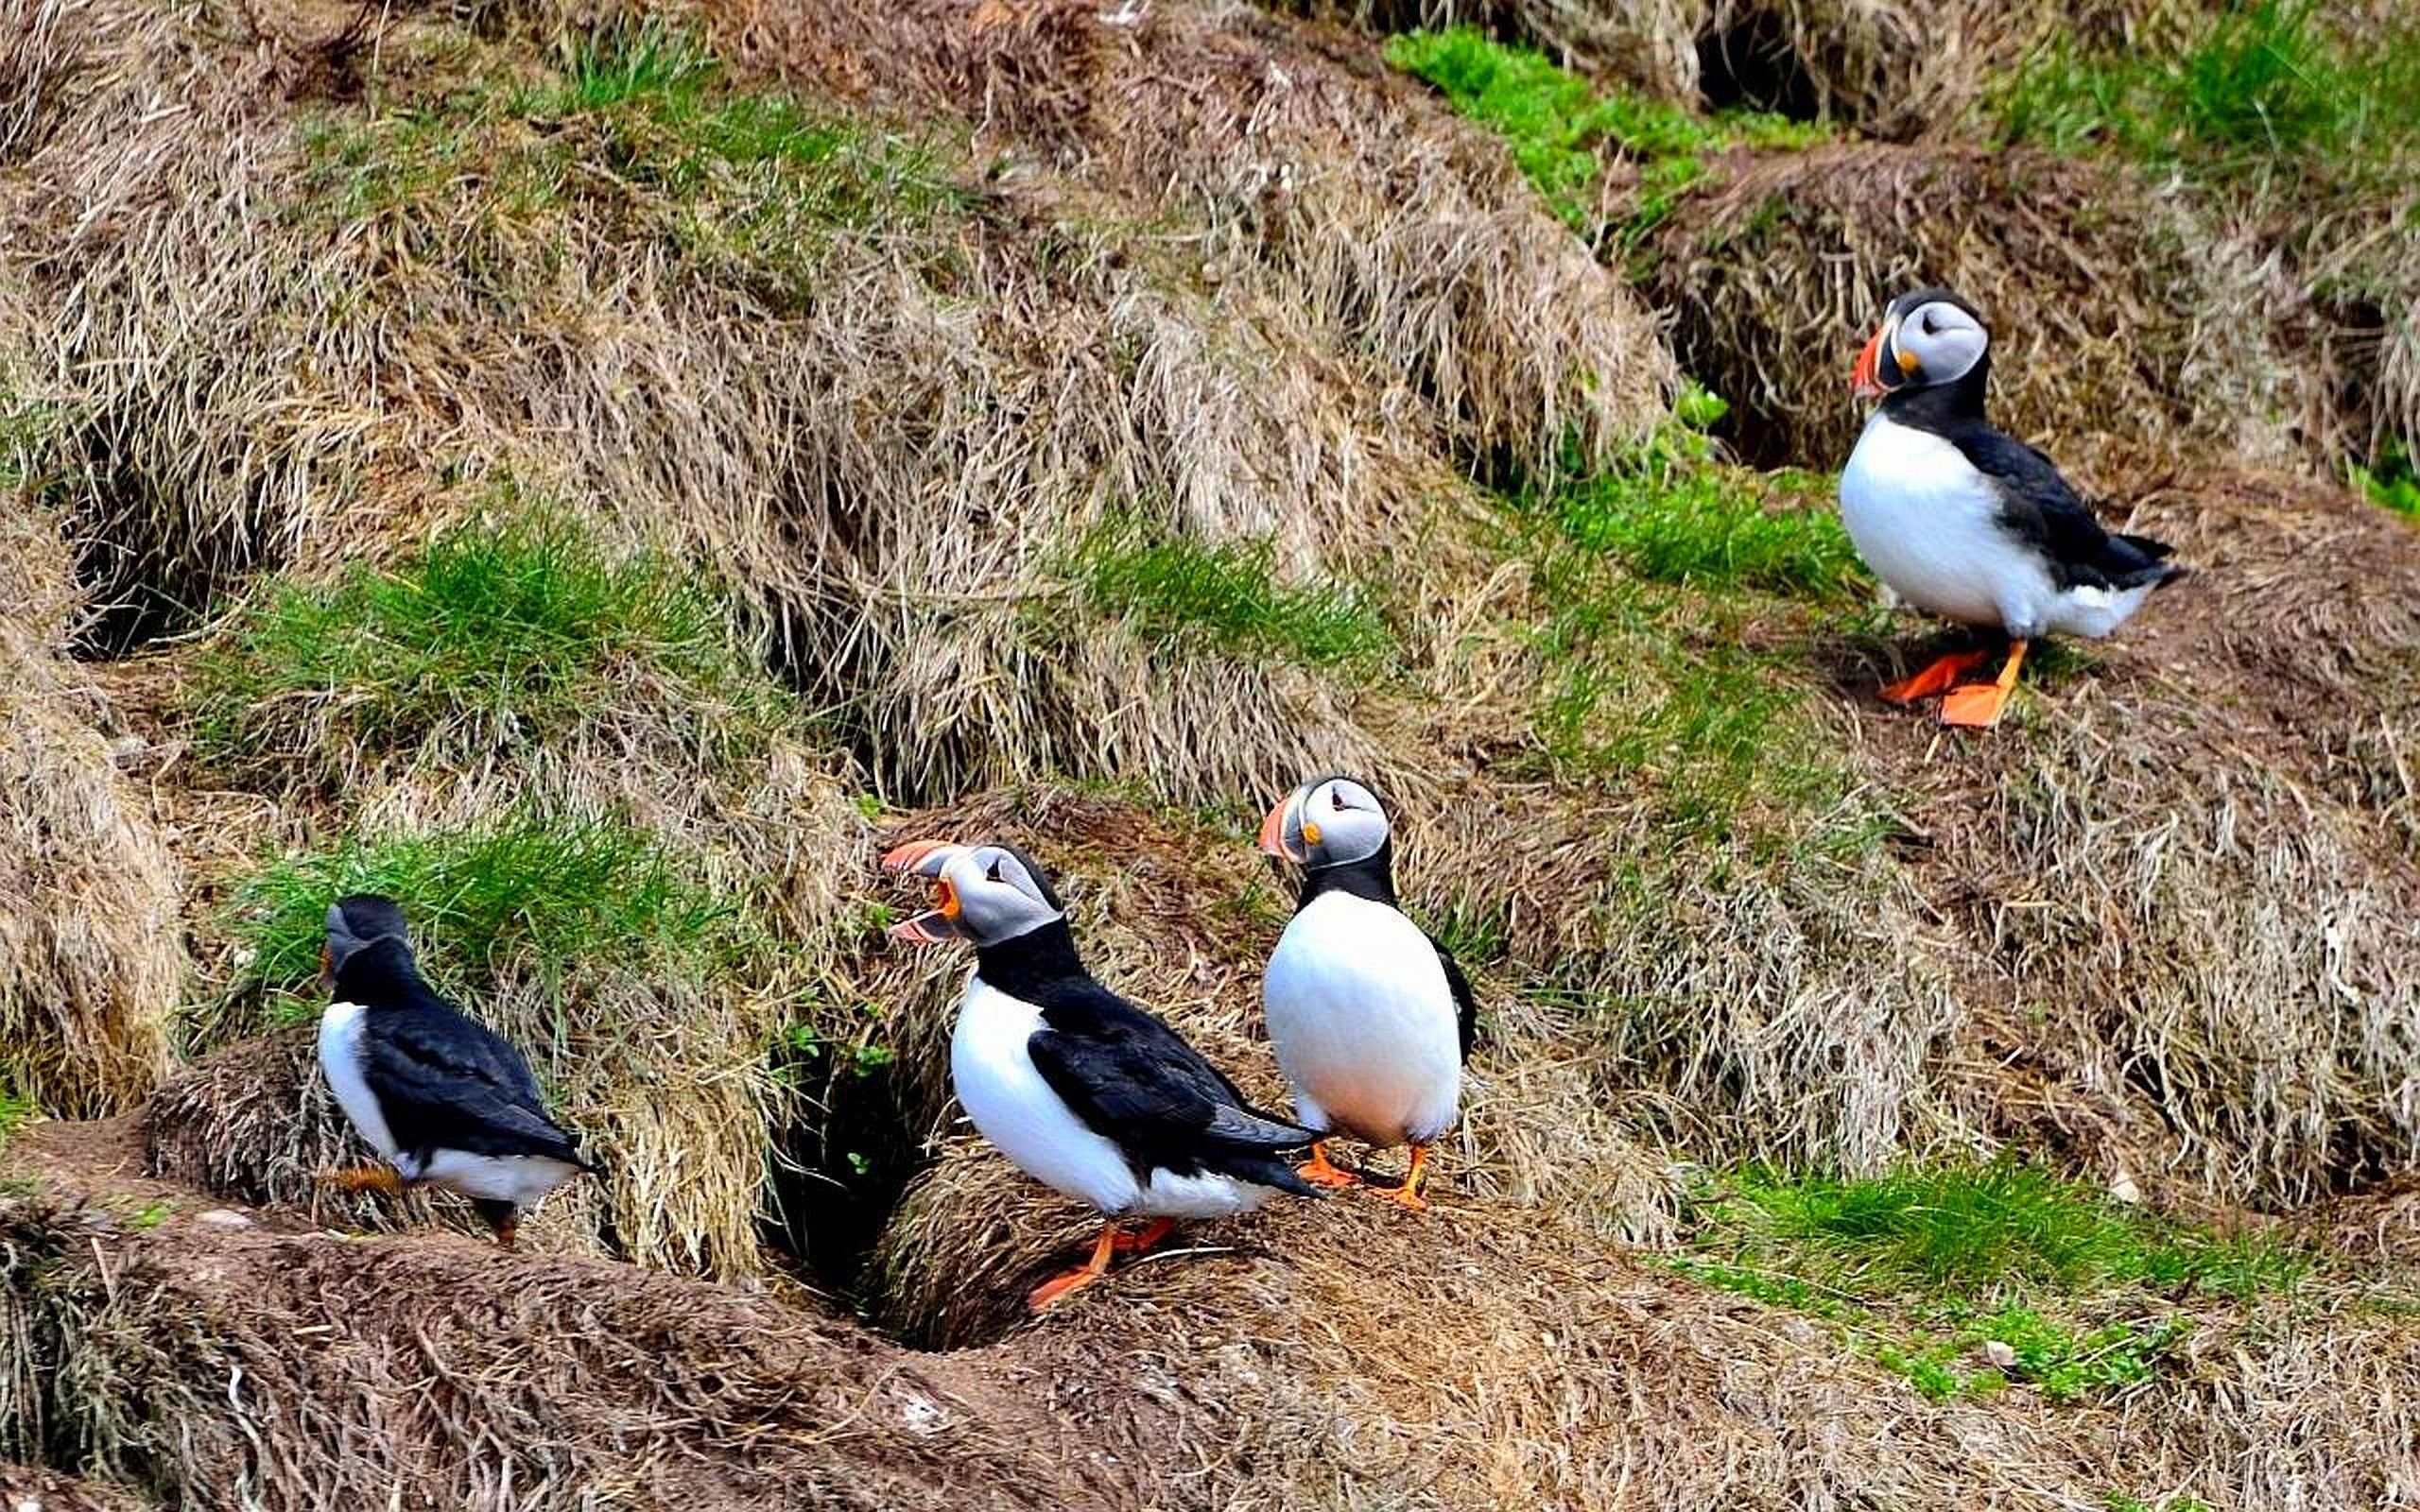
<point>1675,850</point>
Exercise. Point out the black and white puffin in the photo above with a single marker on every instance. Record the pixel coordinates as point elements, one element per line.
<point>444,1100</point>
<point>1965,523</point>
<point>1084,1091</point>
<point>1369,1018</point>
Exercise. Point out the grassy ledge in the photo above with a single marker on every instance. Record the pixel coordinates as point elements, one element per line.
<point>496,636</point>
<point>529,891</point>
<point>640,118</point>
<point>1565,133</point>
<point>1676,584</point>
<point>2265,86</point>
<point>1969,1279</point>
<point>1226,598</point>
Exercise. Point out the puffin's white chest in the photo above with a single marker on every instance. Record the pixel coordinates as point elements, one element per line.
<point>340,1061</point>
<point>1363,1023</point>
<point>1927,523</point>
<point>1012,1107</point>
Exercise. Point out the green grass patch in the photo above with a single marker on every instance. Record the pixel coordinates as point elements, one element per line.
<point>16,1111</point>
<point>1563,130</point>
<point>493,635</point>
<point>528,890</point>
<point>1671,578</point>
<point>1966,1278</point>
<point>2264,84</point>
<point>1226,598</point>
<point>2390,481</point>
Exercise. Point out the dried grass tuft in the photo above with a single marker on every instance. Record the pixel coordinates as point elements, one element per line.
<point>91,949</point>
<point>2118,319</point>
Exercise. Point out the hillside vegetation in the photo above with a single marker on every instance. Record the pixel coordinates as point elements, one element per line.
<point>602,471</point>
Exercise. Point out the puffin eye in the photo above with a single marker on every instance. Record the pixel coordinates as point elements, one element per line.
<point>991,873</point>
<point>1930,329</point>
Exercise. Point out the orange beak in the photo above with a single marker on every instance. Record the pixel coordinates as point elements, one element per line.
<point>904,857</point>
<point>1862,382</point>
<point>1273,830</point>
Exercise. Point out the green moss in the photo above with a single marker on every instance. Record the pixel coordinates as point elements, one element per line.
<point>1690,521</point>
<point>16,1111</point>
<point>531,890</point>
<point>1927,1269</point>
<point>2390,481</point>
<point>1562,129</point>
<point>1228,597</point>
<point>496,635</point>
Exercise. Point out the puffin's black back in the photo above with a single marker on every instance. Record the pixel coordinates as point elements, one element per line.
<point>442,1081</point>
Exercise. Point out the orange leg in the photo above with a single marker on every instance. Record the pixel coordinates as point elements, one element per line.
<point>1319,1174</point>
<point>1152,1233</point>
<point>1408,1194</point>
<point>1938,677</point>
<point>1083,1274</point>
<point>372,1177</point>
<point>1977,706</point>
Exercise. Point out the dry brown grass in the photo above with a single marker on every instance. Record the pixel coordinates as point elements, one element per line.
<point>2117,317</point>
<point>1331,1353</point>
<point>91,955</point>
<point>481,1381</point>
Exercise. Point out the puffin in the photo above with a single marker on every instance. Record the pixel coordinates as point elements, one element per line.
<point>1963,521</point>
<point>1371,1019</point>
<point>1083,1090</point>
<point>443,1100</point>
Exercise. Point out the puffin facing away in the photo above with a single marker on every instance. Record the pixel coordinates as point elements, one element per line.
<point>1369,1018</point>
<point>443,1099</point>
<point>1963,521</point>
<point>1081,1090</point>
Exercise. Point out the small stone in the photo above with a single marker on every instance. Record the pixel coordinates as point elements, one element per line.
<point>1997,1355</point>
<point>2121,1186</point>
<point>224,1219</point>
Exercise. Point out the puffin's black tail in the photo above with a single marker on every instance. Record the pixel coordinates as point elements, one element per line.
<point>1262,1170</point>
<point>2156,569</point>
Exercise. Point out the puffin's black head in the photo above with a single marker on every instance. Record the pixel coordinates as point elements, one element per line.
<point>1329,821</point>
<point>357,921</point>
<point>985,893</point>
<point>1927,337</point>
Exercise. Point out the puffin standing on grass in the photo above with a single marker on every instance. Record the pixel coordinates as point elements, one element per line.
<point>1965,523</point>
<point>1081,1090</point>
<point>444,1100</point>
<point>1369,1018</point>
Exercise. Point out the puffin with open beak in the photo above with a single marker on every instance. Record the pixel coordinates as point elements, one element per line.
<point>1967,523</point>
<point>1081,1090</point>
<point>1369,1018</point>
<point>444,1101</point>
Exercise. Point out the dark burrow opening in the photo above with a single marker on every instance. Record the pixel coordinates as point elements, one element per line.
<point>1749,63</point>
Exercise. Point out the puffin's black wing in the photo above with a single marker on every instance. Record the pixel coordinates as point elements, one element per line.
<point>444,1082</point>
<point>1135,1081</point>
<point>1465,1005</point>
<point>2039,507</point>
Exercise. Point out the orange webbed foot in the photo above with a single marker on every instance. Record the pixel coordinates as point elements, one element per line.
<point>1135,1243</point>
<point>1939,677</point>
<point>1979,705</point>
<point>356,1179</point>
<point>1058,1287</point>
<point>1408,1196</point>
<point>1319,1173</point>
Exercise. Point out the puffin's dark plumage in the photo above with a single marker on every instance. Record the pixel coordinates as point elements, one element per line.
<point>1081,1090</point>
<point>442,1081</point>
<point>444,1098</point>
<point>1129,1077</point>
